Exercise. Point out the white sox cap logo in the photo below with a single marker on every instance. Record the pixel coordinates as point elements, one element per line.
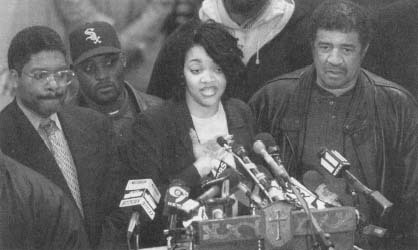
<point>92,36</point>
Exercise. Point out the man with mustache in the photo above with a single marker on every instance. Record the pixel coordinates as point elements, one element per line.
<point>99,65</point>
<point>71,146</point>
<point>336,104</point>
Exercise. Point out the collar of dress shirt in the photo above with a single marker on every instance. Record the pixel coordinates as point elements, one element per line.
<point>34,118</point>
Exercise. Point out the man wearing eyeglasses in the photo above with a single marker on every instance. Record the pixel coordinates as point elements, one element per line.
<point>99,64</point>
<point>71,146</point>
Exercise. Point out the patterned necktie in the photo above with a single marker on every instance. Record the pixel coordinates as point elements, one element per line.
<point>59,148</point>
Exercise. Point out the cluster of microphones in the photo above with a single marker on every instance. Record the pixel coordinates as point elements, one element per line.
<point>260,188</point>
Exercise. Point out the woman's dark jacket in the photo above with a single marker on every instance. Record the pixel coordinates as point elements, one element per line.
<point>162,148</point>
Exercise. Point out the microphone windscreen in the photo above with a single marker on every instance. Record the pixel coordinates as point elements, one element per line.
<point>321,152</point>
<point>259,147</point>
<point>221,141</point>
<point>239,149</point>
<point>266,138</point>
<point>233,176</point>
<point>312,179</point>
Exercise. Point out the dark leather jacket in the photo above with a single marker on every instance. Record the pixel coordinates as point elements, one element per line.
<point>380,132</point>
<point>143,101</point>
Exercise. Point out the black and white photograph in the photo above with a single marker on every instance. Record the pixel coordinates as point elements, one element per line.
<point>208,124</point>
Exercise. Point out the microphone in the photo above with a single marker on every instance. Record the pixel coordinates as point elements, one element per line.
<point>220,176</point>
<point>271,190</point>
<point>338,166</point>
<point>177,195</point>
<point>212,182</point>
<point>142,193</point>
<point>133,186</point>
<point>176,198</point>
<point>223,142</point>
<point>133,222</point>
<point>275,164</point>
<point>314,181</point>
<point>218,167</point>
<point>256,199</point>
<point>259,178</point>
<point>310,198</point>
<point>234,179</point>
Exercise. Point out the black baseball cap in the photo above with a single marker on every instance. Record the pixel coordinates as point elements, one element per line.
<point>93,39</point>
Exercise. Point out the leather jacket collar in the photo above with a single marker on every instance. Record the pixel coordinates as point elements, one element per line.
<point>360,126</point>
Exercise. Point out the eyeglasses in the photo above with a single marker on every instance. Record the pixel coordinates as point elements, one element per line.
<point>43,76</point>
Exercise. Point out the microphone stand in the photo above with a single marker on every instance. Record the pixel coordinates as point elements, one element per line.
<point>246,164</point>
<point>136,235</point>
<point>253,177</point>
<point>135,231</point>
<point>325,237</point>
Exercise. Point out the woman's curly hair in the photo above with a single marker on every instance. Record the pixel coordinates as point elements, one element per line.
<point>219,45</point>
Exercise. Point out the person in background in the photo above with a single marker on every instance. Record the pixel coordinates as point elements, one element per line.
<point>99,62</point>
<point>182,12</point>
<point>271,34</point>
<point>139,25</point>
<point>336,104</point>
<point>178,139</point>
<point>393,53</point>
<point>70,146</point>
<point>35,213</point>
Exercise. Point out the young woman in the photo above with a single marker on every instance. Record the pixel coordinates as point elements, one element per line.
<point>178,139</point>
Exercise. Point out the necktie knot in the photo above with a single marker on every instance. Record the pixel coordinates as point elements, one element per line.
<point>49,126</point>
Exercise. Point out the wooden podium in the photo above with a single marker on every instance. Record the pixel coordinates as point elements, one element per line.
<point>277,227</point>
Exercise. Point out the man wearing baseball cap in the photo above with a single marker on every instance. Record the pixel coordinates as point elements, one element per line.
<point>99,64</point>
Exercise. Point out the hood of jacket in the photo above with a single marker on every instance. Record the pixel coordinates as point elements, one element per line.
<point>252,36</point>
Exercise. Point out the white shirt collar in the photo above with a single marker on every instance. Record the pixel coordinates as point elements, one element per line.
<point>34,118</point>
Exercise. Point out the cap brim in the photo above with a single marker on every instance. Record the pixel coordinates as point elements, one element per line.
<point>95,52</point>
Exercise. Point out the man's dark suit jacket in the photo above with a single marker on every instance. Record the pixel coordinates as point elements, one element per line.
<point>89,137</point>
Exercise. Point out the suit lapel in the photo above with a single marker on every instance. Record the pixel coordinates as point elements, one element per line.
<point>31,150</point>
<point>83,150</point>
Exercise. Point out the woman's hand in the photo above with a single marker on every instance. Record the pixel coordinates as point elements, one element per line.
<point>205,153</point>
